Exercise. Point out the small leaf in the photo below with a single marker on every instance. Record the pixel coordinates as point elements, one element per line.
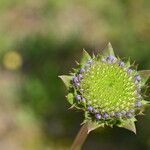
<point>145,74</point>
<point>92,125</point>
<point>66,79</point>
<point>70,98</point>
<point>85,57</point>
<point>108,50</point>
<point>146,103</point>
<point>128,124</point>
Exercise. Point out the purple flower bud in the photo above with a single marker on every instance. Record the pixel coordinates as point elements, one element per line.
<point>138,78</point>
<point>83,100</point>
<point>82,70</point>
<point>90,108</point>
<point>138,104</point>
<point>129,115</point>
<point>90,62</point>
<point>77,84</point>
<point>130,71</point>
<point>121,64</point>
<point>105,115</point>
<point>95,111</point>
<point>75,80</point>
<point>87,64</point>
<point>123,112</point>
<point>118,115</point>
<point>111,59</point>
<point>78,97</point>
<point>98,116</point>
<point>132,110</point>
<point>80,76</point>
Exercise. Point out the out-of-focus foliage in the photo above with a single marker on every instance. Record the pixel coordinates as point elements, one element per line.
<point>47,36</point>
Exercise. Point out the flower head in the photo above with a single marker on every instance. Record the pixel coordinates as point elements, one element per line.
<point>107,89</point>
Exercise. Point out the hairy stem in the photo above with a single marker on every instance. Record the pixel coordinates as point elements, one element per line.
<point>80,138</point>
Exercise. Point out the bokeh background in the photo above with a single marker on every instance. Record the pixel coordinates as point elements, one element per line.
<point>41,39</point>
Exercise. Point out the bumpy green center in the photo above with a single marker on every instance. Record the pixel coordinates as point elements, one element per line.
<point>109,88</point>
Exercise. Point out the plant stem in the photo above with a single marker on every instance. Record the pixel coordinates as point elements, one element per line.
<point>80,138</point>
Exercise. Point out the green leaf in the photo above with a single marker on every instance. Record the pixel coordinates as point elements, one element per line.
<point>70,98</point>
<point>92,125</point>
<point>145,74</point>
<point>66,79</point>
<point>85,57</point>
<point>108,50</point>
<point>128,124</point>
<point>146,104</point>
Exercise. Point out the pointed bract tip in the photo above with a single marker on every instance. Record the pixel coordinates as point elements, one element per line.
<point>109,45</point>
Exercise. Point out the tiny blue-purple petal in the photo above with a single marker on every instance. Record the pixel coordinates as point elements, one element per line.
<point>132,110</point>
<point>75,80</point>
<point>77,84</point>
<point>138,78</point>
<point>111,58</point>
<point>98,116</point>
<point>105,115</point>
<point>95,111</point>
<point>87,65</point>
<point>130,71</point>
<point>82,70</point>
<point>129,115</point>
<point>90,62</point>
<point>83,100</point>
<point>78,97</point>
<point>121,64</point>
<point>80,76</point>
<point>139,104</point>
<point>90,108</point>
<point>118,115</point>
<point>123,112</point>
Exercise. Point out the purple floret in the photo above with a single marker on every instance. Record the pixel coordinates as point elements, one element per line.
<point>130,71</point>
<point>90,62</point>
<point>78,97</point>
<point>111,59</point>
<point>132,110</point>
<point>118,115</point>
<point>139,104</point>
<point>98,116</point>
<point>123,112</point>
<point>90,108</point>
<point>83,100</point>
<point>105,115</point>
<point>80,76</point>
<point>129,115</point>
<point>121,64</point>
<point>75,80</point>
<point>82,70</point>
<point>138,78</point>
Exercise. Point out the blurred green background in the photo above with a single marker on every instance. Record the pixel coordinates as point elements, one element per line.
<point>41,39</point>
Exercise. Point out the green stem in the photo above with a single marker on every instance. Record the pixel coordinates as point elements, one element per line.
<point>80,138</point>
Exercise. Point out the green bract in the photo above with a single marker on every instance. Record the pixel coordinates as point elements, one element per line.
<point>108,90</point>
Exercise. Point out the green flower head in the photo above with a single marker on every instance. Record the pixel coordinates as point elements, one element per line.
<point>108,90</point>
